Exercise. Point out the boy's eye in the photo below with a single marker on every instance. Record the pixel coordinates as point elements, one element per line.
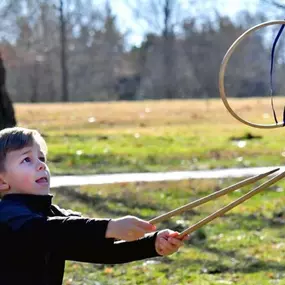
<point>42,158</point>
<point>26,159</point>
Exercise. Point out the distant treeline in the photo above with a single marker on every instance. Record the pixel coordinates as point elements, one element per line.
<point>180,61</point>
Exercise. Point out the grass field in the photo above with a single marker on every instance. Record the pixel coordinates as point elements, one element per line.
<point>154,135</point>
<point>246,246</point>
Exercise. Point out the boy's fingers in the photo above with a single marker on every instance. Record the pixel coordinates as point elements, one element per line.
<point>176,242</point>
<point>174,234</point>
<point>160,251</point>
<point>146,226</point>
<point>187,237</point>
<point>166,246</point>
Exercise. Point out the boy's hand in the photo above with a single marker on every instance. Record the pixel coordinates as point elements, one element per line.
<point>128,228</point>
<point>167,242</point>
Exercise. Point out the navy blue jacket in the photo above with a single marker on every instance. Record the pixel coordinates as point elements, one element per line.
<point>37,237</point>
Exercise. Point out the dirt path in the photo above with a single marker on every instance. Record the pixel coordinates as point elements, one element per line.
<point>76,180</point>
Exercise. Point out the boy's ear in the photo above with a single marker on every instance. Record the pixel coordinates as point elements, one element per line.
<point>4,186</point>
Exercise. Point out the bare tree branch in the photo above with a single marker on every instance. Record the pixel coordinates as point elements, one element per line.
<point>274,3</point>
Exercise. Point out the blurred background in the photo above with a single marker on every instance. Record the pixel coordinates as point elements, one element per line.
<point>101,50</point>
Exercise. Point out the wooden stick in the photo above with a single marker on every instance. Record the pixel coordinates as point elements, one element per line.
<point>225,209</point>
<point>212,196</point>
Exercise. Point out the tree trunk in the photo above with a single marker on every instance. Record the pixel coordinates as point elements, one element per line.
<point>64,70</point>
<point>7,114</point>
<point>168,38</point>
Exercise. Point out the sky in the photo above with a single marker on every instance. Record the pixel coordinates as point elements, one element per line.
<point>135,29</point>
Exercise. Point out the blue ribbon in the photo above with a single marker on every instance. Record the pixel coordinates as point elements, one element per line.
<point>271,75</point>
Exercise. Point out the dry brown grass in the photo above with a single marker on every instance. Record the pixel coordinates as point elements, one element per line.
<point>144,113</point>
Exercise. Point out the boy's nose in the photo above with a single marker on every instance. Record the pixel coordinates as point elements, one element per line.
<point>41,165</point>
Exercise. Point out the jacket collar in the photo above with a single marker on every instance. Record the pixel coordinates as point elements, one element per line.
<point>37,203</point>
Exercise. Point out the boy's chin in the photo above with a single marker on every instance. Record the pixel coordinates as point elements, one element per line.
<point>42,189</point>
<point>40,192</point>
<point>43,192</point>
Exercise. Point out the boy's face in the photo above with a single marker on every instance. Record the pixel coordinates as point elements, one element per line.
<point>26,171</point>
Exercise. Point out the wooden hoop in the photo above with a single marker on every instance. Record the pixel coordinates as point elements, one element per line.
<point>223,69</point>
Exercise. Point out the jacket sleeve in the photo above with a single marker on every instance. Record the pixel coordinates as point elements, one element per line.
<point>78,239</point>
<point>116,252</point>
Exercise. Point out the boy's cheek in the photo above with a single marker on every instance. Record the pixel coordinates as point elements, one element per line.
<point>24,181</point>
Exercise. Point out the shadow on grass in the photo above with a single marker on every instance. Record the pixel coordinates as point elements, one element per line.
<point>240,263</point>
<point>102,205</point>
<point>243,265</point>
<point>253,222</point>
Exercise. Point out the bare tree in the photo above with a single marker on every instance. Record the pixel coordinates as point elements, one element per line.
<point>48,22</point>
<point>166,69</point>
<point>276,4</point>
<point>64,70</point>
<point>168,43</point>
<point>161,17</point>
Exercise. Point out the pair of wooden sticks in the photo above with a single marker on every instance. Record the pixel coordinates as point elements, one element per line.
<point>217,194</point>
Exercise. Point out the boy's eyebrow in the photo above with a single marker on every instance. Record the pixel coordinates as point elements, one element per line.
<point>26,152</point>
<point>30,150</point>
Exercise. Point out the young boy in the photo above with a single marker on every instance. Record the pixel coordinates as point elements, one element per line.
<point>37,236</point>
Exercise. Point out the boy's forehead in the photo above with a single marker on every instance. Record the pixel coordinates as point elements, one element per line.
<point>35,146</point>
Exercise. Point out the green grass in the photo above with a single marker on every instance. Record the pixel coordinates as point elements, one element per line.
<point>125,153</point>
<point>246,246</point>
<point>153,135</point>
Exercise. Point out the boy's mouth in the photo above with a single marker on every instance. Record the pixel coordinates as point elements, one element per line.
<point>42,180</point>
